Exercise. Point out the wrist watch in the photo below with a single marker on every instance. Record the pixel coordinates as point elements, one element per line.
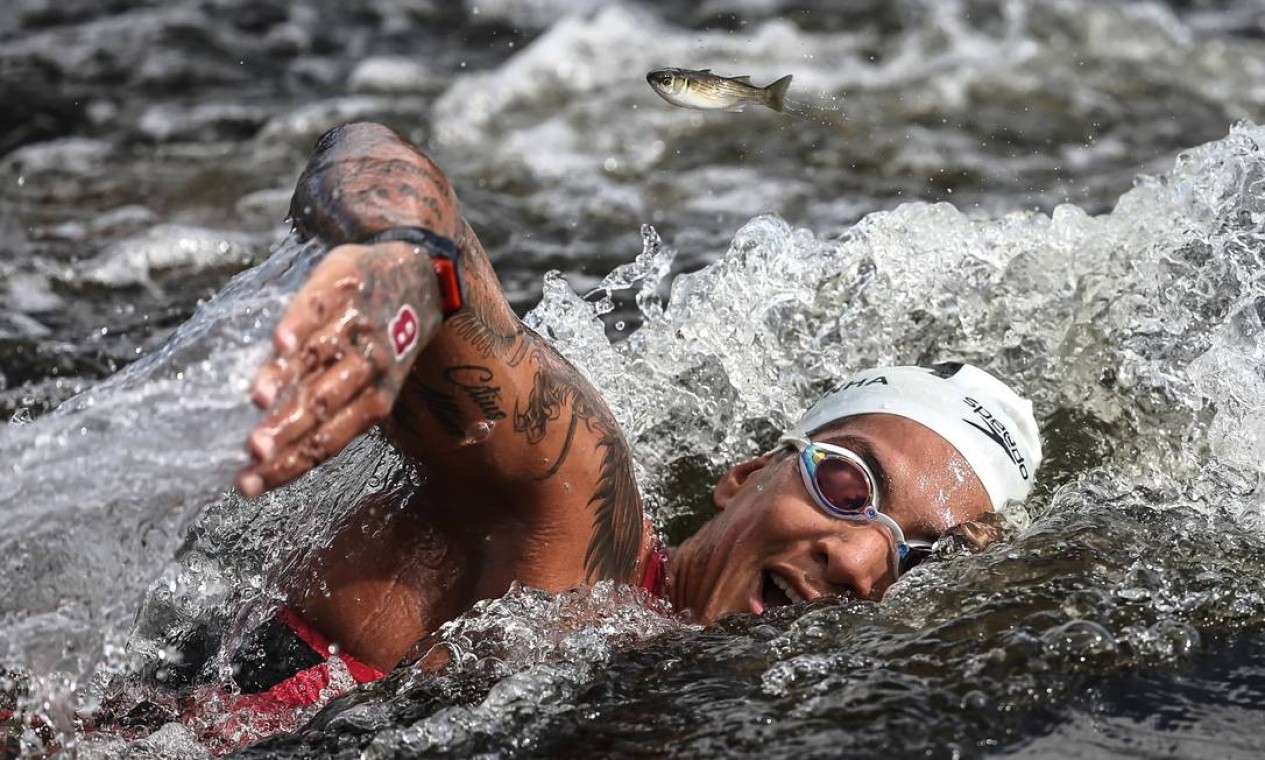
<point>444,257</point>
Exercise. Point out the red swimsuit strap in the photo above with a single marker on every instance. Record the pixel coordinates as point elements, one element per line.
<point>362,672</point>
<point>655,577</point>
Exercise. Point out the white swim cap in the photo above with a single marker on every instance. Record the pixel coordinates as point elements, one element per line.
<point>989,424</point>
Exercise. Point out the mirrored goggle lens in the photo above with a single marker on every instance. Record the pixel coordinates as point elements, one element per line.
<point>843,484</point>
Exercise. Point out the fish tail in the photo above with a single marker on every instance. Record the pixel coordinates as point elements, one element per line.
<point>775,94</point>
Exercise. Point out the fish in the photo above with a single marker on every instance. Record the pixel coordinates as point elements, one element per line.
<point>706,91</point>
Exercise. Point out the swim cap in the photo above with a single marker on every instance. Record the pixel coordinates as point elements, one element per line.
<point>989,424</point>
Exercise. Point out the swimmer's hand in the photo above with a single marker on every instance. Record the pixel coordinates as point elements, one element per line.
<point>341,354</point>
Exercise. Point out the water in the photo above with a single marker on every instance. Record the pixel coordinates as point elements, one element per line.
<point>1067,193</point>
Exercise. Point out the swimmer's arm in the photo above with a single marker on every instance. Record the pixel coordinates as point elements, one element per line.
<point>499,418</point>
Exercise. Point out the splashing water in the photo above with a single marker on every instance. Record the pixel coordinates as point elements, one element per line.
<point>1138,325</point>
<point>97,493</point>
<point>1138,568</point>
<point>1134,333</point>
<point>1129,330</point>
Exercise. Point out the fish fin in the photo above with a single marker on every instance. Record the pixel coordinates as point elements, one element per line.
<point>744,79</point>
<point>776,94</point>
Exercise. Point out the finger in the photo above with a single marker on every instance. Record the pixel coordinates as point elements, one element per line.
<point>326,290</point>
<point>283,426</point>
<point>324,347</point>
<point>369,407</point>
<point>332,342</point>
<point>343,382</point>
<point>315,402</point>
<point>277,375</point>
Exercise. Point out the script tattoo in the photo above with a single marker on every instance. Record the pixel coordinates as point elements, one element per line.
<point>473,381</point>
<point>476,381</point>
<point>612,551</point>
<point>442,406</point>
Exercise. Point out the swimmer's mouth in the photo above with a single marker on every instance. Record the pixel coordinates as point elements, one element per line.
<point>777,591</point>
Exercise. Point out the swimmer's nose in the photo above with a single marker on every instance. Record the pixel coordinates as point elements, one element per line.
<point>855,560</point>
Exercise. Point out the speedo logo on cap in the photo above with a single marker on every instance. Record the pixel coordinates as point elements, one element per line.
<point>997,433</point>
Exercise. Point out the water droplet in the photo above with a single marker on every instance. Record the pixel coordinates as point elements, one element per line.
<point>478,432</point>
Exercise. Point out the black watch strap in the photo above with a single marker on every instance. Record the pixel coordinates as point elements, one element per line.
<point>444,256</point>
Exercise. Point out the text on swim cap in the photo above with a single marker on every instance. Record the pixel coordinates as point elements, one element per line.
<point>864,381</point>
<point>997,432</point>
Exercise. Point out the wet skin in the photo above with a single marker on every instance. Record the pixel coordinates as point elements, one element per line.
<point>528,476</point>
<point>768,524</point>
<point>529,479</point>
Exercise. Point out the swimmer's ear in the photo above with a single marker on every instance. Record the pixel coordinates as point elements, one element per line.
<point>730,484</point>
<point>978,534</point>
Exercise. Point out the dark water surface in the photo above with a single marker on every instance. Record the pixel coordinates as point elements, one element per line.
<point>1070,193</point>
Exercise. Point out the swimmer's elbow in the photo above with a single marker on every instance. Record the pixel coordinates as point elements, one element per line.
<point>363,177</point>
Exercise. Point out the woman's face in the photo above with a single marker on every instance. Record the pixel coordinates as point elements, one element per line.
<point>772,545</point>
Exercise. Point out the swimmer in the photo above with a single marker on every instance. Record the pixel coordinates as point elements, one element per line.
<point>404,325</point>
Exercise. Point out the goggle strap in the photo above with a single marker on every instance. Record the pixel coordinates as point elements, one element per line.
<point>898,536</point>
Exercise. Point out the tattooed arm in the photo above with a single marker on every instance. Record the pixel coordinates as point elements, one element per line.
<point>506,427</point>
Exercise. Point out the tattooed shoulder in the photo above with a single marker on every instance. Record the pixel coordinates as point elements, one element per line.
<point>560,395</point>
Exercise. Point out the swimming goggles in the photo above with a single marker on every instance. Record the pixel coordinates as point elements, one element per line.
<point>843,486</point>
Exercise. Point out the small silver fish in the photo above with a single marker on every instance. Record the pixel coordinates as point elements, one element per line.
<point>708,92</point>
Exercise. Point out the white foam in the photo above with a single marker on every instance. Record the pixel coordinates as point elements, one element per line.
<point>1053,304</point>
<point>136,260</point>
<point>390,75</point>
